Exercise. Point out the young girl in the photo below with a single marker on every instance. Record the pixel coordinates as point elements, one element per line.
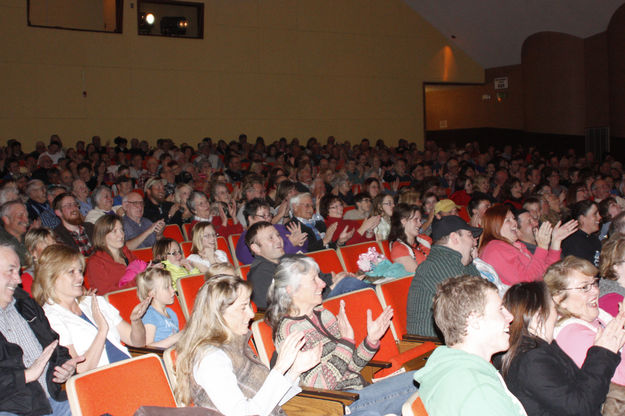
<point>204,248</point>
<point>35,240</point>
<point>169,253</point>
<point>161,322</point>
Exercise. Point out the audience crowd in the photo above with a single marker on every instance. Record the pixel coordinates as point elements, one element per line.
<point>473,225</point>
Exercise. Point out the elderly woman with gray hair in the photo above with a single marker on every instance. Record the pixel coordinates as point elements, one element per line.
<point>103,200</point>
<point>295,307</point>
<point>200,207</point>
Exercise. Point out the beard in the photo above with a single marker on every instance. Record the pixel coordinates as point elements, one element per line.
<point>77,220</point>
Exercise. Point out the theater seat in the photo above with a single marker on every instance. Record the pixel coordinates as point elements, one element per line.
<point>120,388</point>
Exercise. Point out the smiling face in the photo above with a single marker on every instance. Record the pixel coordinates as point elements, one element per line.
<point>105,201</point>
<point>581,298</point>
<point>412,224</point>
<point>305,208</point>
<point>68,284</point>
<point>174,254</point>
<point>335,209</point>
<point>387,205</point>
<point>589,223</point>
<point>509,228</point>
<point>238,315</point>
<point>163,293</point>
<point>493,325</point>
<point>9,275</point>
<point>268,244</point>
<point>308,294</point>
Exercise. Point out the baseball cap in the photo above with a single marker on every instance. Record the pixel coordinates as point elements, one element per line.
<point>445,205</point>
<point>450,224</point>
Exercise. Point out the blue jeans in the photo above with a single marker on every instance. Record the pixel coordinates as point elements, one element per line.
<point>348,284</point>
<point>385,396</point>
<point>58,408</point>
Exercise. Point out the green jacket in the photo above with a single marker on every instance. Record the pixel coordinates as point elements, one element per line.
<point>457,383</point>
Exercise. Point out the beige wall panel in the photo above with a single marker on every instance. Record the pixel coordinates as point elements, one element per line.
<point>279,51</point>
<point>278,14</point>
<point>397,18</point>
<point>236,12</point>
<point>107,93</point>
<point>335,54</point>
<point>237,49</point>
<point>344,16</point>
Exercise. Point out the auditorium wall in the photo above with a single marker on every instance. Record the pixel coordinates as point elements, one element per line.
<point>293,68</point>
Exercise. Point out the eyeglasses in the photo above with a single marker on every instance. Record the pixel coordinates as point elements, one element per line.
<point>174,253</point>
<point>587,287</point>
<point>264,217</point>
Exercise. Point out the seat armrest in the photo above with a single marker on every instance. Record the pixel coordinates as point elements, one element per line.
<point>134,351</point>
<point>421,339</point>
<point>344,397</point>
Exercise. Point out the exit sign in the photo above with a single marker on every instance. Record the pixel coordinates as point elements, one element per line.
<point>501,83</point>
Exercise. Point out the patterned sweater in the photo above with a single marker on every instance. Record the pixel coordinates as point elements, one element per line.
<point>341,360</point>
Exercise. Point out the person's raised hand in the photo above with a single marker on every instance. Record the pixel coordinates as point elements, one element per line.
<point>307,359</point>
<point>561,232</point>
<point>330,233</point>
<point>543,235</point>
<point>377,328</point>
<point>288,351</point>
<point>346,234</point>
<point>35,370</point>
<point>139,310</point>
<point>345,328</point>
<point>98,317</point>
<point>612,337</point>
<point>63,372</point>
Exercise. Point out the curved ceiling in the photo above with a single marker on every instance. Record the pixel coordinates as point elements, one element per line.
<point>492,32</point>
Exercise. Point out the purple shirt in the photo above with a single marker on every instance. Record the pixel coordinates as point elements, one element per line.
<point>245,256</point>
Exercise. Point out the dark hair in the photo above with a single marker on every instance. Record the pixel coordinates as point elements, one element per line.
<point>251,207</point>
<point>401,212</point>
<point>250,236</point>
<point>604,209</point>
<point>325,202</point>
<point>581,208</point>
<point>360,196</point>
<point>56,203</point>
<point>571,194</point>
<point>475,202</point>
<point>524,301</point>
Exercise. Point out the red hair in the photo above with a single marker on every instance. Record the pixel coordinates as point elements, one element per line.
<point>492,221</point>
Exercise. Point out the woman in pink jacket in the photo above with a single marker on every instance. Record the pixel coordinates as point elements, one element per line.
<point>514,263</point>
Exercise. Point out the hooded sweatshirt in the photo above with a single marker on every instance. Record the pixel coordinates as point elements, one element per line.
<point>457,383</point>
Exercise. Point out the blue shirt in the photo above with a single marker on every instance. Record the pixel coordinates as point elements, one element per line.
<point>133,229</point>
<point>165,325</point>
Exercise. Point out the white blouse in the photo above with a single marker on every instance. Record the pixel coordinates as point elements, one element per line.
<point>220,255</point>
<point>214,373</point>
<point>74,330</point>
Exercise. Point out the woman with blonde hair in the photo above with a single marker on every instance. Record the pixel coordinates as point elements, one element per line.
<point>215,365</point>
<point>220,268</point>
<point>35,240</point>
<point>112,265</point>
<point>204,250</point>
<point>88,326</point>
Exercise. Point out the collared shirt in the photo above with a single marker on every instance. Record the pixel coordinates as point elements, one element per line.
<point>82,241</point>
<point>43,211</point>
<point>132,229</point>
<point>17,331</point>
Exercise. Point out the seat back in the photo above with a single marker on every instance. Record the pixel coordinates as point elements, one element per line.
<point>395,295</point>
<point>126,299</point>
<point>144,254</point>
<point>233,240</point>
<point>222,244</point>
<point>186,248</point>
<point>414,406</point>
<point>244,270</point>
<point>328,260</point>
<point>349,254</point>
<point>120,388</point>
<point>263,339</point>
<point>187,227</point>
<point>187,290</point>
<point>356,305</point>
<point>386,248</point>
<point>173,231</point>
<point>169,359</point>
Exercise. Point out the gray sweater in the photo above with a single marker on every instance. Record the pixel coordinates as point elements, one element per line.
<point>441,263</point>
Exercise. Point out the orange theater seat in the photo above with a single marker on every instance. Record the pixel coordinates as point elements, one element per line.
<point>244,270</point>
<point>126,299</point>
<point>349,254</point>
<point>464,213</point>
<point>395,294</point>
<point>356,305</point>
<point>187,228</point>
<point>144,254</point>
<point>222,244</point>
<point>327,260</point>
<point>173,231</point>
<point>263,338</point>
<point>186,248</point>
<point>233,240</point>
<point>386,249</point>
<point>187,290</point>
<point>120,388</point>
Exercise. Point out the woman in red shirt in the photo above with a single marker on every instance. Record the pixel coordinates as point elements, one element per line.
<point>331,209</point>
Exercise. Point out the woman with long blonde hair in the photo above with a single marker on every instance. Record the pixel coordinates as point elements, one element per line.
<point>216,368</point>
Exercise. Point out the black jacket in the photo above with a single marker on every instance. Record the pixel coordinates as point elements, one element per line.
<point>17,396</point>
<point>548,382</point>
<point>65,236</point>
<point>314,244</point>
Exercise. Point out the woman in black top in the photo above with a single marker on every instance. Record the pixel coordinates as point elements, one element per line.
<point>539,373</point>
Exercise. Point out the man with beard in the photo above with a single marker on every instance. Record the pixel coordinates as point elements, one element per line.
<point>72,231</point>
<point>156,208</point>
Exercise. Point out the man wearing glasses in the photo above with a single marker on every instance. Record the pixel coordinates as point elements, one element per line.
<point>140,232</point>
